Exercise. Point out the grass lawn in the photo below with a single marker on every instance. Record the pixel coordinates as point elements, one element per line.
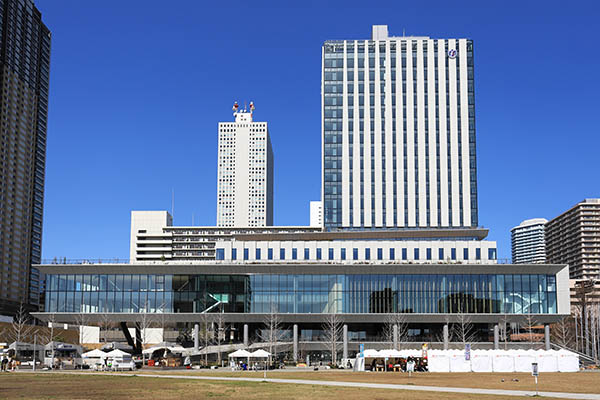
<point>63,386</point>
<point>576,382</point>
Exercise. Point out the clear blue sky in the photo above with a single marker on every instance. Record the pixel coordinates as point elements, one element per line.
<point>138,87</point>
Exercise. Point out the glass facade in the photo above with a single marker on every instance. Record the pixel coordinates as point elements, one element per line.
<point>303,293</point>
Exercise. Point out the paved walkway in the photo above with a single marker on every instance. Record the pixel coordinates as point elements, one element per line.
<point>499,392</point>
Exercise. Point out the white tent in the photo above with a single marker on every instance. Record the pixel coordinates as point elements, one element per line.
<point>372,353</point>
<point>173,348</point>
<point>438,361</point>
<point>260,354</point>
<point>502,361</point>
<point>390,353</point>
<point>240,354</point>
<point>411,353</point>
<point>458,362</point>
<point>116,353</point>
<point>94,354</point>
<point>481,361</point>
<point>567,361</point>
<point>547,360</point>
<point>524,359</point>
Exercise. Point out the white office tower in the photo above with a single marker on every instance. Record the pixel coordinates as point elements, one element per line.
<point>528,242</point>
<point>245,177</point>
<point>316,214</point>
<point>398,125</point>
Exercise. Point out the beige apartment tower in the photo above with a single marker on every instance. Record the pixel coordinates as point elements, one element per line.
<point>573,238</point>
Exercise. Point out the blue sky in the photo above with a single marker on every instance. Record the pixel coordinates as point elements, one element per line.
<point>138,87</point>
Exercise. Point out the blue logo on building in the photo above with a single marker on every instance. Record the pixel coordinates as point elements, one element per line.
<point>452,53</point>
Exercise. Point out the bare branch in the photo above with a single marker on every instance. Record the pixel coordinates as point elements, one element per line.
<point>272,332</point>
<point>332,332</point>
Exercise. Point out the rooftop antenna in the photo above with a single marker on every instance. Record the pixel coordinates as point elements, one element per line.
<point>403,32</point>
<point>173,202</point>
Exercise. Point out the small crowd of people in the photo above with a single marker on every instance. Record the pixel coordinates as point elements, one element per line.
<point>8,363</point>
<point>409,364</point>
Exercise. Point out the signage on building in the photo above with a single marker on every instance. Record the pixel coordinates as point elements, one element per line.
<point>452,53</point>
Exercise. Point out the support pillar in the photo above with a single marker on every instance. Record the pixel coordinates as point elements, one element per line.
<point>196,337</point>
<point>446,337</point>
<point>395,337</point>
<point>345,339</point>
<point>295,349</point>
<point>245,335</point>
<point>496,337</point>
<point>547,336</point>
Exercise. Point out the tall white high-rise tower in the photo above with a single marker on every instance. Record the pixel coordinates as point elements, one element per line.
<point>245,177</point>
<point>398,123</point>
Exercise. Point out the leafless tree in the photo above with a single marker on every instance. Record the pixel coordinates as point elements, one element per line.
<point>21,328</point>
<point>144,322</point>
<point>206,334</point>
<point>561,333</point>
<point>161,318</point>
<point>463,330</point>
<point>82,322</point>
<point>530,323</point>
<point>50,335</point>
<point>105,324</point>
<point>399,321</point>
<point>332,332</point>
<point>219,322</point>
<point>272,332</point>
<point>504,327</point>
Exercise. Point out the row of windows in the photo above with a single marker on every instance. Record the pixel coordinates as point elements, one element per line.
<point>359,254</point>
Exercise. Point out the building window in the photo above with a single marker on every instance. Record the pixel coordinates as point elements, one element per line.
<point>392,254</point>
<point>429,254</point>
<point>331,254</point>
<point>491,254</point>
<point>234,254</point>
<point>343,257</point>
<point>405,253</point>
<point>270,254</point>
<point>453,253</point>
<point>318,254</point>
<point>355,253</point>
<point>245,254</point>
<point>478,254</point>
<point>220,254</point>
<point>258,254</point>
<point>306,254</point>
<point>466,254</point>
<point>416,254</point>
<point>380,254</point>
<point>441,254</point>
<point>367,254</point>
<point>282,254</point>
<point>294,254</point>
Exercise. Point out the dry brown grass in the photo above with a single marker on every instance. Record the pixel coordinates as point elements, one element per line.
<point>576,382</point>
<point>72,386</point>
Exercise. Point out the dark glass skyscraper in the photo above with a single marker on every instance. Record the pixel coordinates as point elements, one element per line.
<point>25,69</point>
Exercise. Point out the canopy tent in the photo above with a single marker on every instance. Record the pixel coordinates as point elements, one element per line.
<point>260,354</point>
<point>547,360</point>
<point>94,354</point>
<point>240,354</point>
<point>390,353</point>
<point>524,359</point>
<point>438,361</point>
<point>372,353</point>
<point>172,347</point>
<point>567,361</point>
<point>116,353</point>
<point>503,361</point>
<point>458,363</point>
<point>481,361</point>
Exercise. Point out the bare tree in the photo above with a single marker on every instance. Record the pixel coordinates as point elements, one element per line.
<point>105,324</point>
<point>272,332</point>
<point>144,322</point>
<point>50,335</point>
<point>504,327</point>
<point>206,334</point>
<point>561,333</point>
<point>219,321</point>
<point>529,325</point>
<point>21,328</point>
<point>332,332</point>
<point>399,322</point>
<point>161,318</point>
<point>463,330</point>
<point>82,321</point>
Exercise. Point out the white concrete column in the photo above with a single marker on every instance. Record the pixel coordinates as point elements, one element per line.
<point>395,334</point>
<point>496,337</point>
<point>245,335</point>
<point>345,339</point>
<point>295,349</point>
<point>446,338</point>
<point>547,336</point>
<point>196,337</point>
